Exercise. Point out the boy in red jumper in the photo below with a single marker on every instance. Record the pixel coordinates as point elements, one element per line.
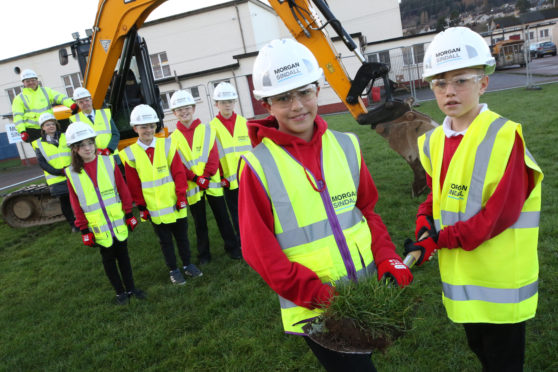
<point>103,208</point>
<point>158,184</point>
<point>306,200</point>
<point>195,143</point>
<point>483,210</point>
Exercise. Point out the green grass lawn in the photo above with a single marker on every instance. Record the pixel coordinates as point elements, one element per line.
<point>56,310</point>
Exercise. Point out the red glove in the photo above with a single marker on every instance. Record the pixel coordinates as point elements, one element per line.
<point>88,239</point>
<point>105,152</point>
<point>131,222</point>
<point>225,183</point>
<point>427,247</point>
<point>24,136</point>
<point>75,108</point>
<point>202,182</point>
<point>144,215</point>
<point>181,204</point>
<point>397,270</point>
<point>425,224</point>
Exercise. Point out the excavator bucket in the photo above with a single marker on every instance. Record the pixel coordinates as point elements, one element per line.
<point>394,119</point>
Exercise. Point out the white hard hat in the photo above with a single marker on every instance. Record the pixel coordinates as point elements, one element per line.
<point>181,98</point>
<point>79,131</point>
<point>28,74</point>
<point>454,49</point>
<point>46,117</point>
<point>283,65</point>
<point>80,93</point>
<point>224,91</point>
<point>143,114</point>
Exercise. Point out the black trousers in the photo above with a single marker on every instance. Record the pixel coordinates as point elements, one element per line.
<point>118,252</point>
<point>219,208</point>
<point>333,361</point>
<point>231,196</point>
<point>165,232</point>
<point>499,347</point>
<point>67,208</point>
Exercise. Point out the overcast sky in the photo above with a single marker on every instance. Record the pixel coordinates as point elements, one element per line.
<point>29,25</point>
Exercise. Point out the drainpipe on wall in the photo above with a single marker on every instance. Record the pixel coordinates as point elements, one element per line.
<point>177,81</point>
<point>239,101</point>
<point>240,27</point>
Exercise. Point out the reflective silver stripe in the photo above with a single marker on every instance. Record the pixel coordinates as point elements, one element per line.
<point>19,122</point>
<point>106,227</point>
<point>106,121</point>
<point>162,212</point>
<point>159,182</point>
<point>51,157</point>
<point>426,146</point>
<point>530,156</point>
<point>49,106</point>
<point>215,185</point>
<point>130,154</point>
<point>17,113</point>
<point>350,152</point>
<point>192,192</point>
<point>221,149</point>
<point>206,145</point>
<point>527,220</point>
<point>292,234</point>
<point>24,100</point>
<point>110,169</point>
<point>81,194</point>
<point>286,304</point>
<point>438,224</point>
<point>317,230</point>
<point>186,163</point>
<point>494,295</point>
<point>231,178</point>
<point>103,132</point>
<point>168,143</point>
<point>243,148</point>
<point>49,176</point>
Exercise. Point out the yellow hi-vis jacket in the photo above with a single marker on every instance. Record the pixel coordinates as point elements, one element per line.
<point>101,205</point>
<point>195,159</point>
<point>157,184</point>
<point>30,104</point>
<point>323,231</point>
<point>58,157</point>
<point>231,147</point>
<point>101,126</point>
<point>498,281</point>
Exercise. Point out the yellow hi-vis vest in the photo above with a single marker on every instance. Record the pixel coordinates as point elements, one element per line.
<point>101,126</point>
<point>101,205</point>
<point>57,156</point>
<point>323,231</point>
<point>157,184</point>
<point>195,159</point>
<point>231,147</point>
<point>28,106</point>
<point>498,281</point>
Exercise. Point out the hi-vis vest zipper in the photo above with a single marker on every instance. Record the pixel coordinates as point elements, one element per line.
<point>195,159</point>
<point>323,231</point>
<point>57,156</point>
<point>157,184</point>
<point>498,281</point>
<point>231,147</point>
<point>101,205</point>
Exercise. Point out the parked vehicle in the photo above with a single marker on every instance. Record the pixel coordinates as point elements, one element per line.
<point>508,53</point>
<point>543,48</point>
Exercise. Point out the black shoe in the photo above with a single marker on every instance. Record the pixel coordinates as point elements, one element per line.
<point>122,298</point>
<point>137,293</point>
<point>74,229</point>
<point>235,254</point>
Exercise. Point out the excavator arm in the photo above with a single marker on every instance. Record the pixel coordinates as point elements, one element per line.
<point>395,120</point>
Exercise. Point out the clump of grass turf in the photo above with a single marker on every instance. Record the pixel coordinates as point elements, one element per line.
<point>367,315</point>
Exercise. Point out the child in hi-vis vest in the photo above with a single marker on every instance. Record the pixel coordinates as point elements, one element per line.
<point>103,207</point>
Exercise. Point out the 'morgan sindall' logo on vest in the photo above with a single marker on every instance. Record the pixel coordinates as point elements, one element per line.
<point>343,200</point>
<point>457,191</point>
<point>449,55</point>
<point>286,72</point>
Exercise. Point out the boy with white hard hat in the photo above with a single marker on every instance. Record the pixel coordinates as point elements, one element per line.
<point>103,207</point>
<point>101,121</point>
<point>232,141</point>
<point>33,101</point>
<point>306,200</point>
<point>483,211</point>
<point>196,145</point>
<point>158,185</point>
<point>53,155</point>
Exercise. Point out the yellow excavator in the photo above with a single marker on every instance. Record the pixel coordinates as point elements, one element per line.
<point>115,40</point>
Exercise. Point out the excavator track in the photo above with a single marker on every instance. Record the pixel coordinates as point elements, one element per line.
<point>31,206</point>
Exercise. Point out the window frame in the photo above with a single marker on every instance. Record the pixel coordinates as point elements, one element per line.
<point>162,69</point>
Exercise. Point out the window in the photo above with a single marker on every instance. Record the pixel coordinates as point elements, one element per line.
<point>72,82</point>
<point>531,35</point>
<point>544,33</point>
<point>160,65</point>
<point>382,57</point>
<point>413,54</point>
<point>166,96</point>
<point>13,92</point>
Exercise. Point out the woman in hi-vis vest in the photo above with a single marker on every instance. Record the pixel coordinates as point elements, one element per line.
<point>103,207</point>
<point>306,200</point>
